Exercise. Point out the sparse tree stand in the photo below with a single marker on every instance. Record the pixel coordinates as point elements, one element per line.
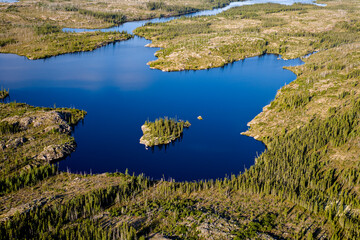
<point>162,131</point>
<point>4,93</point>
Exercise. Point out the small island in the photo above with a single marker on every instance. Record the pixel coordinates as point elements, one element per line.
<point>162,131</point>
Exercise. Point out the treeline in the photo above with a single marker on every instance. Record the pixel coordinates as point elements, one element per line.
<point>170,8</point>
<point>220,3</point>
<point>47,28</point>
<point>26,178</point>
<point>111,17</point>
<point>73,219</point>
<point>170,31</point>
<point>293,101</point>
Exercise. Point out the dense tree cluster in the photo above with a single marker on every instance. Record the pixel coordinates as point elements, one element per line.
<point>163,130</point>
<point>47,29</point>
<point>111,17</point>
<point>170,8</point>
<point>29,177</point>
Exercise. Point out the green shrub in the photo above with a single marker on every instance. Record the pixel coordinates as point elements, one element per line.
<point>7,128</point>
<point>47,29</point>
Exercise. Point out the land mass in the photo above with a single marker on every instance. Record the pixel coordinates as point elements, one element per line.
<point>213,41</point>
<point>34,28</point>
<point>33,136</point>
<point>304,186</point>
<point>162,131</point>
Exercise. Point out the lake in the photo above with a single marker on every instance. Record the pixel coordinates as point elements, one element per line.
<point>119,92</point>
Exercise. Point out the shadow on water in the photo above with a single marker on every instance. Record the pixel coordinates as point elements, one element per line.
<point>6,99</point>
<point>164,147</point>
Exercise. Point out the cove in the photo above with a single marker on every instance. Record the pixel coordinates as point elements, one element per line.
<point>119,92</point>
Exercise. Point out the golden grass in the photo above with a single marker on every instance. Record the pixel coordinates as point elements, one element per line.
<point>232,35</point>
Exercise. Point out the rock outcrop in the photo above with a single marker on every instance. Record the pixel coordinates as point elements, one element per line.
<point>56,152</point>
<point>148,140</point>
<point>53,120</point>
<point>35,123</point>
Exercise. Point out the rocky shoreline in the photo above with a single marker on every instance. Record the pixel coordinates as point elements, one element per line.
<point>162,131</point>
<point>148,140</point>
<point>34,136</point>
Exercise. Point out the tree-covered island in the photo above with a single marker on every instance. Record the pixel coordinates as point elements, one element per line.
<point>162,131</point>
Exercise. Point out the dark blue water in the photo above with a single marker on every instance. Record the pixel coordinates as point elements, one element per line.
<point>9,1</point>
<point>119,92</point>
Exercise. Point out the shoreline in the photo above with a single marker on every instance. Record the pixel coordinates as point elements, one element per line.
<point>104,43</point>
<point>162,131</point>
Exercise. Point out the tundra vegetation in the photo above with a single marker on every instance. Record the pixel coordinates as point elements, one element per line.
<point>162,131</point>
<point>34,28</point>
<point>304,186</point>
<point>213,41</point>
